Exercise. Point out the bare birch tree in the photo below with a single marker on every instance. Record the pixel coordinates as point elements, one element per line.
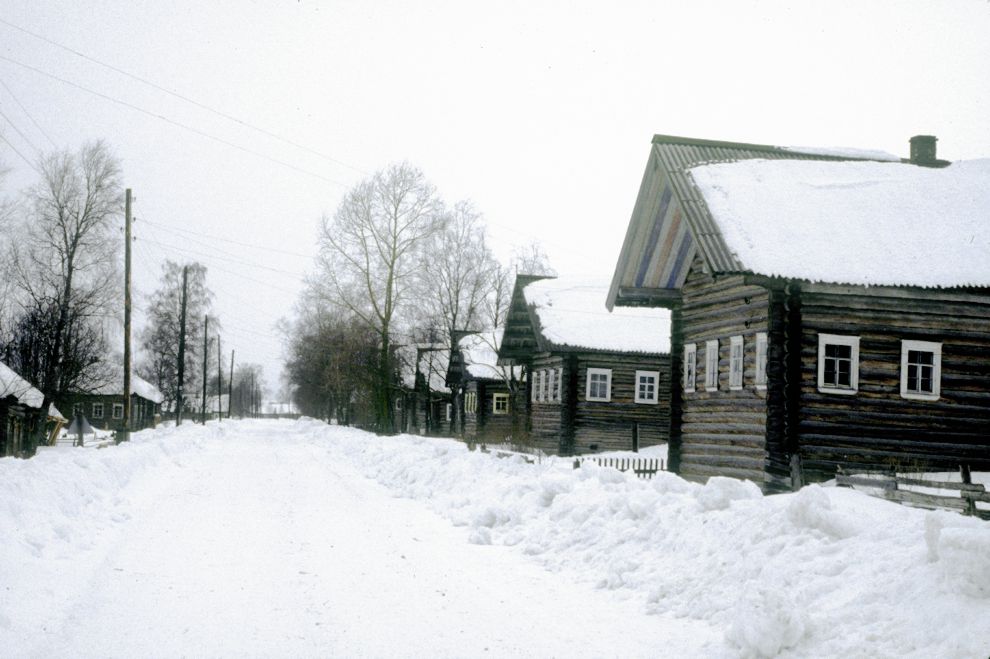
<point>370,255</point>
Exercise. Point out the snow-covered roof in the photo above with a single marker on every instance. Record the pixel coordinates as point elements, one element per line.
<point>12,384</point>
<point>571,312</point>
<point>139,387</point>
<point>844,152</point>
<point>480,354</point>
<point>869,223</point>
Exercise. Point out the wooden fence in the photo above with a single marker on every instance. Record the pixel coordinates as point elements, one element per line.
<point>905,489</point>
<point>642,467</point>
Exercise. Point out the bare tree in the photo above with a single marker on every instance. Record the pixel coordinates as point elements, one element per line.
<point>370,255</point>
<point>160,337</point>
<point>69,260</point>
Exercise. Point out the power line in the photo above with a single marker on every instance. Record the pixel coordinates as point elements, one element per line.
<point>161,117</point>
<point>227,240</point>
<point>23,157</point>
<point>183,98</point>
<point>18,131</point>
<point>29,116</point>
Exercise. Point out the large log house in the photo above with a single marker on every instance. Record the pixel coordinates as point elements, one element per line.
<point>828,308</point>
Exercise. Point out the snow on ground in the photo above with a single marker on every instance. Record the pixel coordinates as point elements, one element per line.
<point>262,538</point>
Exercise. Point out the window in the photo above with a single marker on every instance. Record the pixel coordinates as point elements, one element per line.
<point>599,384</point>
<point>690,366</point>
<point>838,364</point>
<point>551,388</point>
<point>471,402</point>
<point>449,409</point>
<point>118,410</point>
<point>647,387</point>
<point>500,403</point>
<point>97,410</point>
<point>77,409</point>
<point>560,377</point>
<point>533,389</point>
<point>542,379</point>
<point>711,365</point>
<point>736,363</point>
<point>921,370</point>
<point>761,360</point>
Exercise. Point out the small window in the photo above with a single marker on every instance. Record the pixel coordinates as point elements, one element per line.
<point>560,377</point>
<point>711,365</point>
<point>471,402</point>
<point>77,409</point>
<point>543,385</point>
<point>921,370</point>
<point>761,360</point>
<point>500,403</point>
<point>736,363</point>
<point>838,364</point>
<point>118,410</point>
<point>97,410</point>
<point>449,409</point>
<point>551,389</point>
<point>534,391</point>
<point>690,366</point>
<point>599,384</point>
<point>647,387</point>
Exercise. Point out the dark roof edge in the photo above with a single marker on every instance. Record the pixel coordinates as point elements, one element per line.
<point>768,148</point>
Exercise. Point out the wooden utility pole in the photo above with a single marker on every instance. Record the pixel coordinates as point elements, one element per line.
<point>219,382</point>
<point>182,347</point>
<point>206,352</point>
<point>230,386</point>
<point>125,435</point>
<point>252,393</point>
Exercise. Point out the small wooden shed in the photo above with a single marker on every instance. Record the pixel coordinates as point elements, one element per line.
<point>829,308</point>
<point>19,405</point>
<point>596,380</point>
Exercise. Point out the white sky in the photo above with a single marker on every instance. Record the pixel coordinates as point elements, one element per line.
<point>540,112</point>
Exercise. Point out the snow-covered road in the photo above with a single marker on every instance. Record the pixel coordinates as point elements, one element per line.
<point>265,545</point>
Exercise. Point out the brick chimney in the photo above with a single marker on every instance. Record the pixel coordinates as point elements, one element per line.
<point>923,150</point>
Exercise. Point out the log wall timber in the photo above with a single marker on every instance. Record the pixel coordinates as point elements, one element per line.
<point>724,432</point>
<point>876,426</point>
<point>547,426</point>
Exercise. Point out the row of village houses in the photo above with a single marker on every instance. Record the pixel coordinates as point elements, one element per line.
<point>815,308</point>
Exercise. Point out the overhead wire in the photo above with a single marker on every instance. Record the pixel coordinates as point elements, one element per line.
<point>29,115</point>
<point>182,97</point>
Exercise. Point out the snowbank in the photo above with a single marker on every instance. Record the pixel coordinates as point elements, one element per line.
<point>821,572</point>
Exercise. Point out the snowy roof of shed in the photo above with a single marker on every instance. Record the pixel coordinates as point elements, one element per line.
<point>479,355</point>
<point>569,312</point>
<point>139,387</point>
<point>853,222</point>
<point>12,384</point>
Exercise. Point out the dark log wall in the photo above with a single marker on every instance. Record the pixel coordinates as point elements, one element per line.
<point>608,426</point>
<point>723,432</point>
<point>877,426</point>
<point>484,425</point>
<point>548,428</point>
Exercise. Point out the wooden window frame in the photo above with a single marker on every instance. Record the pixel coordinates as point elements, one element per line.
<point>690,367</point>
<point>737,362</point>
<point>839,340</point>
<point>607,372</point>
<point>711,365</point>
<point>558,397</point>
<point>922,346</point>
<point>118,406</point>
<point>533,391</point>
<point>551,386</point>
<point>655,400</point>
<point>760,379</point>
<point>496,397</point>
<point>97,406</point>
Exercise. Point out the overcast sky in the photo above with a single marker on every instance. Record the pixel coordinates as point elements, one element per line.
<point>539,112</point>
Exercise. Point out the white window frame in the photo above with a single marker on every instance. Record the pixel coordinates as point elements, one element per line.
<point>711,365</point>
<point>471,402</point>
<point>607,372</point>
<point>551,388</point>
<point>761,360</point>
<point>449,411</point>
<point>97,406</point>
<point>923,346</point>
<point>560,377</point>
<point>690,367</point>
<point>543,385</point>
<point>496,397</point>
<point>737,362</point>
<point>839,340</point>
<point>656,387</point>
<point>118,410</point>
<point>533,391</point>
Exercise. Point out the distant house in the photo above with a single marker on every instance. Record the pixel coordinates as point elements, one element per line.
<point>596,380</point>
<point>19,405</point>
<point>829,308</point>
<point>426,402</point>
<point>488,400</point>
<point>103,405</point>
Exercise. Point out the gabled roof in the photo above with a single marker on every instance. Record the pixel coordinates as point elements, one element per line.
<point>475,357</point>
<point>565,314</point>
<point>671,223</point>
<point>12,384</point>
<point>139,387</point>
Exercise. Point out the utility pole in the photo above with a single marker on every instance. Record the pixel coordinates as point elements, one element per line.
<point>252,392</point>
<point>230,386</point>
<point>219,382</point>
<point>206,352</point>
<point>125,435</point>
<point>182,347</point>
